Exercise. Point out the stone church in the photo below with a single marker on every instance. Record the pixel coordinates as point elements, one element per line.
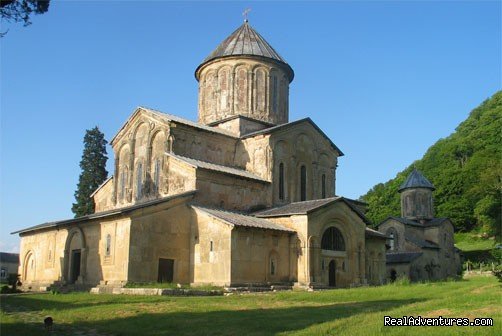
<point>421,246</point>
<point>242,196</point>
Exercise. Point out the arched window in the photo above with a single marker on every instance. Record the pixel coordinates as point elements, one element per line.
<point>108,247</point>
<point>332,239</point>
<point>274,93</point>
<point>281,181</point>
<point>156,175</point>
<point>123,182</point>
<point>272,266</point>
<point>393,243</point>
<point>323,186</point>
<point>139,180</point>
<point>303,183</point>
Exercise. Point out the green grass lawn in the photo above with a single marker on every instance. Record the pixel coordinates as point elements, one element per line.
<point>467,241</point>
<point>476,249</point>
<point>357,311</point>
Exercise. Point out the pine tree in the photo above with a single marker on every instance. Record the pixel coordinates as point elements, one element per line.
<point>93,165</point>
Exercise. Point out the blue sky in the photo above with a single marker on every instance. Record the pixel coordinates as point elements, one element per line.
<point>383,79</point>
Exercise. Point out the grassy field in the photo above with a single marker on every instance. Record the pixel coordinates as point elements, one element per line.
<point>475,248</point>
<point>467,241</point>
<point>357,311</point>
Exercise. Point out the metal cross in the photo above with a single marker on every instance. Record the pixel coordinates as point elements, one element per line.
<point>245,14</point>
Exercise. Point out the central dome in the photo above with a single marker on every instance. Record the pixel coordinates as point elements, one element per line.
<point>245,41</point>
<point>244,76</point>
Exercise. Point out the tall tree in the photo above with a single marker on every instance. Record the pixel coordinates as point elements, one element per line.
<point>21,10</point>
<point>93,165</point>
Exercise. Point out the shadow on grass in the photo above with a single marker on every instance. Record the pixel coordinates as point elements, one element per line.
<point>30,302</point>
<point>241,321</point>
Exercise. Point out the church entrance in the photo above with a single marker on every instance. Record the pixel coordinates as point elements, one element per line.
<point>166,270</point>
<point>75,265</point>
<point>332,273</point>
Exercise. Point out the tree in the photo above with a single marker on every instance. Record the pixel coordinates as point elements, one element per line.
<point>93,165</point>
<point>20,10</point>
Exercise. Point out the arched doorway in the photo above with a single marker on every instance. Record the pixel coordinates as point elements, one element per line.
<point>75,256</point>
<point>332,273</point>
<point>29,267</point>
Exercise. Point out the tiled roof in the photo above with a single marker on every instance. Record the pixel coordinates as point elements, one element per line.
<point>401,257</point>
<point>171,117</point>
<point>108,213</point>
<point>188,122</point>
<point>421,243</point>
<point>245,41</point>
<point>305,207</point>
<point>12,258</point>
<point>406,221</point>
<point>296,208</point>
<point>374,233</point>
<point>290,124</point>
<point>239,219</point>
<point>416,180</point>
<point>218,168</point>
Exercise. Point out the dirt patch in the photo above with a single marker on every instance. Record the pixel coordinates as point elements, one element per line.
<point>437,313</point>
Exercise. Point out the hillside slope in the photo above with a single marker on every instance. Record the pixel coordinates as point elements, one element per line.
<point>465,168</point>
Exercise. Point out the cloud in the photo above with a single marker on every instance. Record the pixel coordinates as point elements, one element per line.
<point>9,247</point>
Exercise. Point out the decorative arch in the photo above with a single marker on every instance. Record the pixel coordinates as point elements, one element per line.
<point>260,89</point>
<point>123,164</point>
<point>241,88</point>
<point>224,88</point>
<point>29,267</point>
<point>75,256</point>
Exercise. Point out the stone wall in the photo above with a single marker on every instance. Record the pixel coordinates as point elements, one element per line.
<point>161,233</point>
<point>260,256</point>
<point>211,251</point>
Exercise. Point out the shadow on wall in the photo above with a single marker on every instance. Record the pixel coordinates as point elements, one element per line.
<point>221,322</point>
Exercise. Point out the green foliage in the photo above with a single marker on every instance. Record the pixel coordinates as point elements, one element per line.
<point>498,272</point>
<point>93,165</point>
<point>466,170</point>
<point>21,10</point>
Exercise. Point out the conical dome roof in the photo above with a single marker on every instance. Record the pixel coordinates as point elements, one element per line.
<point>245,41</point>
<point>416,180</point>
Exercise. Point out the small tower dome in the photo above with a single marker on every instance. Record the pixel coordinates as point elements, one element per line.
<point>416,197</point>
<point>244,76</point>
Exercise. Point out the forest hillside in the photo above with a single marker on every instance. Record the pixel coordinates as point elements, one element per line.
<point>465,168</point>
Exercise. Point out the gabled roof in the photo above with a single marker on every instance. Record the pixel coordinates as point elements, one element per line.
<point>373,233</point>
<point>401,257</point>
<point>245,41</point>
<point>176,119</point>
<point>420,242</point>
<point>12,258</point>
<point>238,219</point>
<point>218,168</point>
<point>296,208</point>
<point>107,213</point>
<point>307,207</point>
<point>101,186</point>
<point>416,180</point>
<point>291,124</point>
<point>406,221</point>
